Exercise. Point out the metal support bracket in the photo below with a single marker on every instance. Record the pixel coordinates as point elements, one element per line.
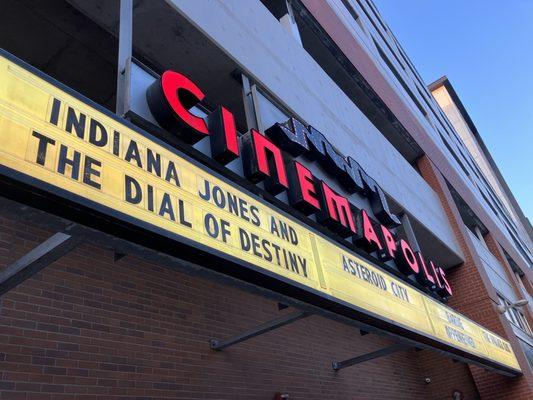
<point>409,231</point>
<point>125,40</point>
<point>259,330</point>
<point>36,259</point>
<point>117,256</point>
<point>338,365</point>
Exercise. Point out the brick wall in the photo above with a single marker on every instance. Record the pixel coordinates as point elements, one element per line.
<point>90,328</point>
<point>475,297</point>
<point>446,376</point>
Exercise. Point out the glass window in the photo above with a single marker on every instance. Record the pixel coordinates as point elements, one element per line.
<point>512,313</point>
<point>523,322</point>
<point>516,317</point>
<point>528,350</point>
<point>508,314</point>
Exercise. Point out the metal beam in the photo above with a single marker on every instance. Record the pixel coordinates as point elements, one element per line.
<point>35,260</point>
<point>338,365</point>
<point>259,330</point>
<point>409,232</point>
<point>124,57</point>
<point>249,109</point>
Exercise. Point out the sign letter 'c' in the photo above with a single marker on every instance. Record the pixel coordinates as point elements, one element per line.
<point>171,83</point>
<point>170,98</point>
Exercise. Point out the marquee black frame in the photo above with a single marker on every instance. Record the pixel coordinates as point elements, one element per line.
<point>31,191</point>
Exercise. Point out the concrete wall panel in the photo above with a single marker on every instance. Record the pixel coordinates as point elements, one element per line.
<point>257,41</point>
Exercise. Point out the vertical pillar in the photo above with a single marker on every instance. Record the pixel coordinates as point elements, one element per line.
<point>409,232</point>
<point>125,44</point>
<point>249,103</point>
<point>475,297</point>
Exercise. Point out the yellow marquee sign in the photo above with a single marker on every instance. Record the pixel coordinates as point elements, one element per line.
<point>53,140</point>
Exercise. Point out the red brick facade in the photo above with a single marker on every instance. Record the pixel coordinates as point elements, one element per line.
<point>90,328</point>
<point>476,298</point>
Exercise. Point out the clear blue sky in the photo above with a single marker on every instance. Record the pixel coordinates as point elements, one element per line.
<point>485,48</point>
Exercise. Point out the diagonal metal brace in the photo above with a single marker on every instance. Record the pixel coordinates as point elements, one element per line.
<point>36,259</point>
<point>338,365</point>
<point>259,330</point>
